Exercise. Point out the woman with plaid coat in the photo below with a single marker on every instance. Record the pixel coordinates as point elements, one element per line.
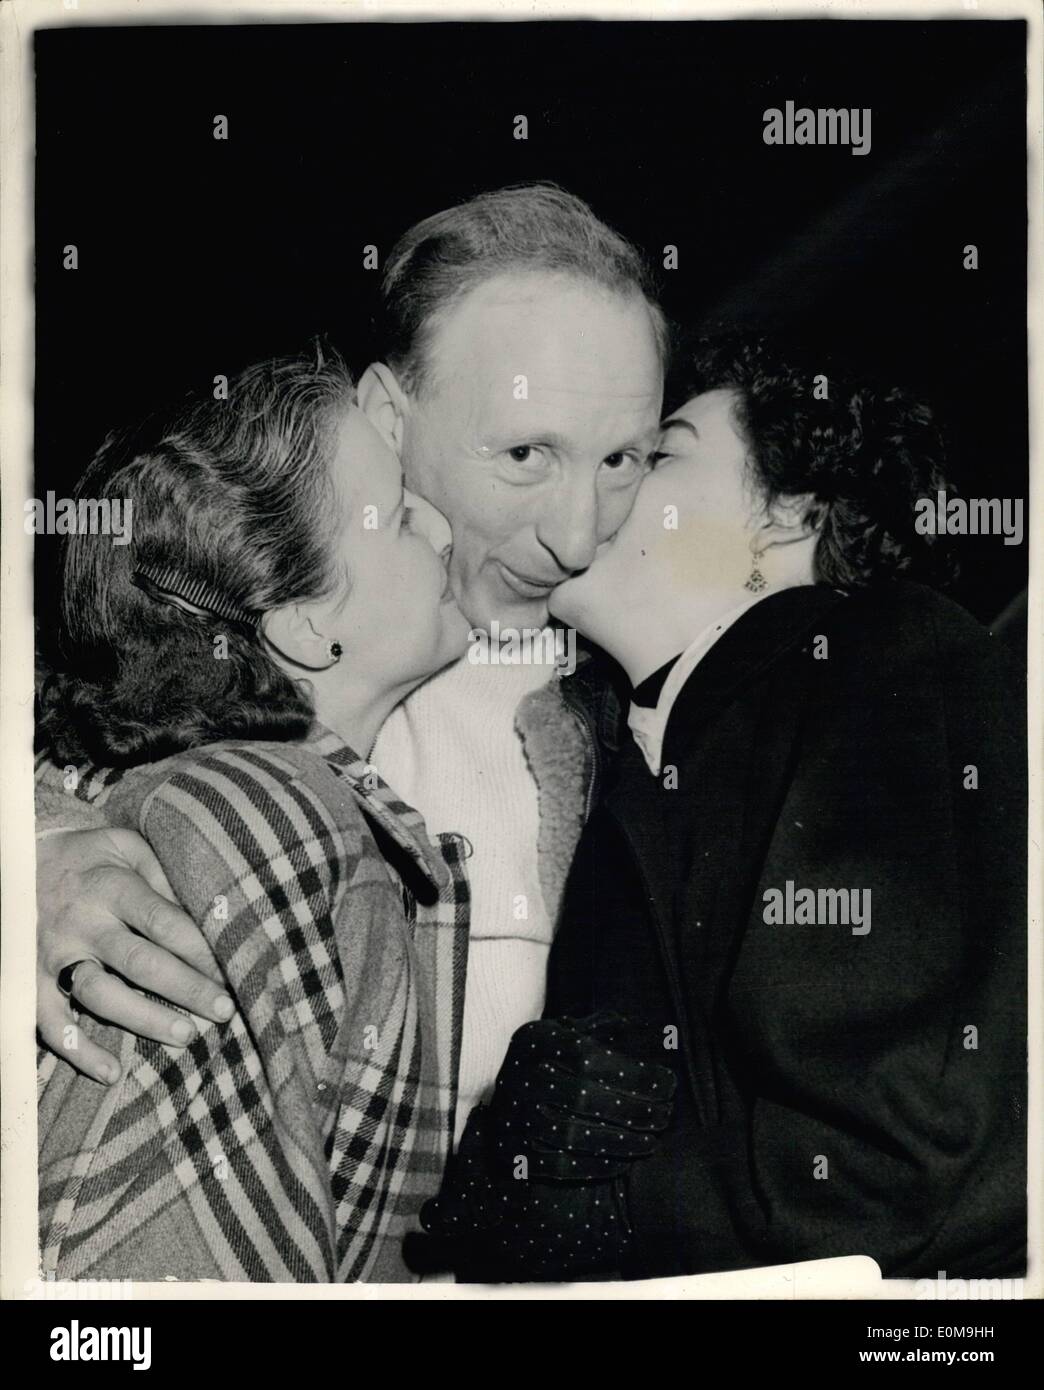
<point>277,588</point>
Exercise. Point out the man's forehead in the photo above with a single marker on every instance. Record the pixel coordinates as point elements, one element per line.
<point>559,334</point>
<point>573,419</point>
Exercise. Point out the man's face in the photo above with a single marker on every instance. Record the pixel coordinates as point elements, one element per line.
<point>531,434</point>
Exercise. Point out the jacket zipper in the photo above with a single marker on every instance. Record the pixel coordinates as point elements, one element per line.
<point>587,724</point>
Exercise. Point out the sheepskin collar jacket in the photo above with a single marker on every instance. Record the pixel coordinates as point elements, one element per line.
<point>567,728</point>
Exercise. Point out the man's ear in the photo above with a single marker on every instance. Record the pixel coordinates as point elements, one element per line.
<point>291,632</point>
<point>383,402</point>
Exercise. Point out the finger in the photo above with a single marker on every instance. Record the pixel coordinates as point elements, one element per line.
<point>133,901</point>
<point>567,1149</point>
<point>550,1042</point>
<point>108,998</point>
<point>619,1071</point>
<point>560,1165</point>
<point>550,1161</point>
<point>593,1101</point>
<point>635,1038</point>
<point>162,974</point>
<point>569,1115</point>
<point>62,1033</point>
<point>583,1096</point>
<point>141,858</point>
<point>555,1129</point>
<point>542,1040</point>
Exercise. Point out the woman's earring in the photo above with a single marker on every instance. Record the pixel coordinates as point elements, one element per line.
<point>757,582</point>
<point>335,649</point>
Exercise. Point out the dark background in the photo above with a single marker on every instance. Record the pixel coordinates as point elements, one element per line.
<point>197,255</point>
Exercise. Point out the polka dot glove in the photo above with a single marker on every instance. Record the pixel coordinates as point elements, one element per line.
<point>579,1099</point>
<point>490,1230</point>
<point>536,1189</point>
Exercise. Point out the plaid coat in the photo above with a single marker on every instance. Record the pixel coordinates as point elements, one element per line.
<point>298,1141</point>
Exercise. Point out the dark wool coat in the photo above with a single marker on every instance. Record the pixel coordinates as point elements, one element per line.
<point>839,1093</point>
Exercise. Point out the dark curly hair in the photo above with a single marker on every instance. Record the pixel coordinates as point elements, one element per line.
<point>863,456</point>
<point>236,493</point>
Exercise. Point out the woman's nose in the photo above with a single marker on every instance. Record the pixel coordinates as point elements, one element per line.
<point>428,522</point>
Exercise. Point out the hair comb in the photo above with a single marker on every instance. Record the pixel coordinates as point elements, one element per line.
<point>167,584</point>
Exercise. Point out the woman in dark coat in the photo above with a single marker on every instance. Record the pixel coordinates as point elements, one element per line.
<point>804,874</point>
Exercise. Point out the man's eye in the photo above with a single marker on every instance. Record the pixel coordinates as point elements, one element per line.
<point>620,462</point>
<point>521,453</point>
<point>657,456</point>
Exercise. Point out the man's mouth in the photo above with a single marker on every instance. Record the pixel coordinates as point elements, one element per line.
<point>524,586</point>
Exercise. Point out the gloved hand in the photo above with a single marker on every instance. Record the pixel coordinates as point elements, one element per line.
<point>579,1099</point>
<point>536,1189</point>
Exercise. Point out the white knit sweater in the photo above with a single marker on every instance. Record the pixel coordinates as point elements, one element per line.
<point>451,750</point>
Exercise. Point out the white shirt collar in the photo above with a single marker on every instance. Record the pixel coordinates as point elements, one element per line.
<point>649,725</point>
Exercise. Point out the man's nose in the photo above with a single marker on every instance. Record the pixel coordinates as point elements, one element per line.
<point>568,527</point>
<point>428,521</point>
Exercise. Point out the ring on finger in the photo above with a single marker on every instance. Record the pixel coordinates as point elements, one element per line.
<point>66,978</point>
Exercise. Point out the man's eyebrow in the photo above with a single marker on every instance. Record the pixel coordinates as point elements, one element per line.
<point>561,444</point>
<point>516,438</point>
<point>636,445</point>
<point>636,442</point>
<point>685,424</point>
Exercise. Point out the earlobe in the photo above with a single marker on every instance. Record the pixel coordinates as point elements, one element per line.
<point>383,402</point>
<point>290,633</point>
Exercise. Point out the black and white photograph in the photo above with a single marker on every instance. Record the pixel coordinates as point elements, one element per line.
<point>522,658</point>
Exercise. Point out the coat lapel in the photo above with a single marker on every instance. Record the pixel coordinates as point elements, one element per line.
<point>750,647</point>
<point>698,844</point>
<point>399,821</point>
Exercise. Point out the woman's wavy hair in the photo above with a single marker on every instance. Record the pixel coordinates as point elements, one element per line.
<point>237,494</point>
<point>863,456</point>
